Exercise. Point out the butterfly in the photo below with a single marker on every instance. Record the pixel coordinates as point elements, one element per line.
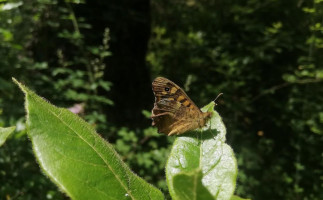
<point>174,112</point>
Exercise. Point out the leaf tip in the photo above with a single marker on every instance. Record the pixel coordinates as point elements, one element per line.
<point>20,85</point>
<point>209,107</point>
<point>5,133</point>
<point>14,80</point>
<point>12,128</point>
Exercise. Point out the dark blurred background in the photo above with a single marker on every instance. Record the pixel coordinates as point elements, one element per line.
<point>265,56</point>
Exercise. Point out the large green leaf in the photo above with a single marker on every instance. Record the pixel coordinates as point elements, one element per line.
<point>205,154</point>
<point>4,134</point>
<point>188,185</point>
<point>76,158</point>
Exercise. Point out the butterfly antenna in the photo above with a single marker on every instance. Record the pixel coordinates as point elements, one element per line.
<point>217,98</point>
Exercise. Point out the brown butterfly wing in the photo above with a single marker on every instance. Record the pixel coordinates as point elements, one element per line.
<point>166,89</point>
<point>174,112</point>
<point>164,114</point>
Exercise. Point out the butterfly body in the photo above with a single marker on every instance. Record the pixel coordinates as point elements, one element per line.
<point>174,112</point>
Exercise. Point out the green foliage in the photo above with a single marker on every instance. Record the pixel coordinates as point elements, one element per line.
<point>42,44</point>
<point>4,134</point>
<point>76,158</point>
<point>237,198</point>
<point>62,63</point>
<point>20,176</point>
